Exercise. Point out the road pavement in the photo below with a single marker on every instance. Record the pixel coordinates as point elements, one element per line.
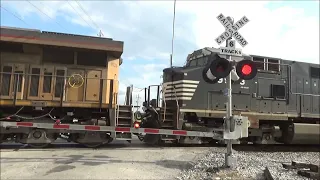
<point>118,160</point>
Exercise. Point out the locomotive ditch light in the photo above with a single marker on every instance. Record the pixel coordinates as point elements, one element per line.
<point>136,125</point>
<point>218,68</point>
<point>246,69</point>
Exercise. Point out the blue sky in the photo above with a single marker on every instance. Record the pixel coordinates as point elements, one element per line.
<point>276,28</point>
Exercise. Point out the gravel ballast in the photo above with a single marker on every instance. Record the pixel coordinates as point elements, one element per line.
<point>250,165</point>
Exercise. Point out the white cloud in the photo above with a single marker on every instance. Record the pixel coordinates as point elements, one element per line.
<point>146,26</point>
<point>146,29</point>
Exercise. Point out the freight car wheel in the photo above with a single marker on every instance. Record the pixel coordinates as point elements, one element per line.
<point>152,139</point>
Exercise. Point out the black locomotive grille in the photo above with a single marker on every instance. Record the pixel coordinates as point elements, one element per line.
<point>59,83</point>
<point>6,81</point>
<point>47,80</point>
<point>34,83</point>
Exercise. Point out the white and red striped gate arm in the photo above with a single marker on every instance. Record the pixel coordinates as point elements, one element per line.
<point>110,129</point>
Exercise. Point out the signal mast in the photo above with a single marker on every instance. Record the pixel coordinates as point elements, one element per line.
<point>221,67</point>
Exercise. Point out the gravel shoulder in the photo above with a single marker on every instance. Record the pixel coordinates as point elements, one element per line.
<point>250,165</point>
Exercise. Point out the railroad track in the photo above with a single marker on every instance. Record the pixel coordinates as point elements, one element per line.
<point>138,144</point>
<point>302,169</point>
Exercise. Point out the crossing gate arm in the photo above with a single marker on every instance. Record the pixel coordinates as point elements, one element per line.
<point>73,127</point>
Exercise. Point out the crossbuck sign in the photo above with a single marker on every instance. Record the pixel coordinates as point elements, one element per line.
<point>232,30</point>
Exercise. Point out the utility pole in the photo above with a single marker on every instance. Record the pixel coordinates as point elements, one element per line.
<point>173,23</point>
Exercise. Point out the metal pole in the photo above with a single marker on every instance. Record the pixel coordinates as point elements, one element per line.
<point>229,111</point>
<point>229,160</point>
<point>173,23</point>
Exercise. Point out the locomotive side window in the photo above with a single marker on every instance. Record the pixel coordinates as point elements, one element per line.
<point>202,61</point>
<point>278,91</point>
<point>315,72</point>
<point>259,63</point>
<point>20,76</point>
<point>193,62</point>
<point>6,80</point>
<point>34,83</point>
<point>47,82</point>
<point>59,83</point>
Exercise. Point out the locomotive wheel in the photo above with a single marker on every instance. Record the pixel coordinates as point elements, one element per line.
<point>92,145</point>
<point>93,139</point>
<point>152,139</point>
<point>40,135</point>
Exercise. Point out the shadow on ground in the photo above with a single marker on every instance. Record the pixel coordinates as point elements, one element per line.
<point>70,162</point>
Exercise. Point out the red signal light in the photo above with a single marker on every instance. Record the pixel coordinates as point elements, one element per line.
<point>246,69</point>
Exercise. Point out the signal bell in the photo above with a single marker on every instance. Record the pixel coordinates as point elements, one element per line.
<point>246,69</point>
<point>218,68</point>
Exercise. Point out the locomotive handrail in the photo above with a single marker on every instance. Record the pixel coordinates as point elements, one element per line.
<point>27,74</point>
<point>19,80</point>
<point>178,107</point>
<point>164,100</point>
<point>117,112</point>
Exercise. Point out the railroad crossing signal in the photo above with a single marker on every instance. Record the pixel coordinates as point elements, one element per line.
<point>231,30</point>
<point>220,68</point>
<point>231,49</point>
<point>216,69</point>
<point>246,69</point>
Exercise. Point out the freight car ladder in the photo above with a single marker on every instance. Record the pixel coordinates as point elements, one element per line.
<point>124,115</point>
